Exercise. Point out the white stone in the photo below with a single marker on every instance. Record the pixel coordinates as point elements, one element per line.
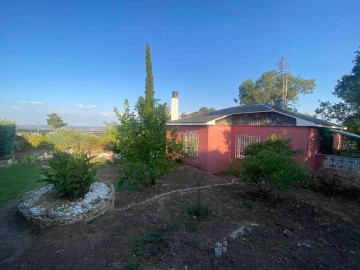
<point>238,232</point>
<point>218,250</point>
<point>41,207</point>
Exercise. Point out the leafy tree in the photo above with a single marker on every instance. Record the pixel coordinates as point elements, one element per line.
<point>271,85</point>
<point>55,121</point>
<point>271,165</point>
<point>347,89</point>
<point>145,152</point>
<point>149,82</point>
<point>201,111</point>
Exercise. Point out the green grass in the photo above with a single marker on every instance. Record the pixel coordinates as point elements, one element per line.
<point>17,179</point>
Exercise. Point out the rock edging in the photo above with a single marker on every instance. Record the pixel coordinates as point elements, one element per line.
<point>41,207</point>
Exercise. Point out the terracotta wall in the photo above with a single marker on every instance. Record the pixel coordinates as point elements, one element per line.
<point>305,139</point>
<point>219,148</point>
<point>217,144</point>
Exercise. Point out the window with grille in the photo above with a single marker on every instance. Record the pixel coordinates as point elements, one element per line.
<point>191,141</point>
<point>242,142</point>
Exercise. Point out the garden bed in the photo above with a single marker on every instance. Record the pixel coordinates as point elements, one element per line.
<point>305,230</point>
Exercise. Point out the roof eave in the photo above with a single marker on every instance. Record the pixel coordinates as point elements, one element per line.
<point>332,127</point>
<point>186,124</point>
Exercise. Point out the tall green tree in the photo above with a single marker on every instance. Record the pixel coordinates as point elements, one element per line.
<point>149,82</point>
<point>271,86</point>
<point>55,121</point>
<point>145,152</point>
<point>347,89</point>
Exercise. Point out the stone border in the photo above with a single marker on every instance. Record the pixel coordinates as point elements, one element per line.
<point>41,207</point>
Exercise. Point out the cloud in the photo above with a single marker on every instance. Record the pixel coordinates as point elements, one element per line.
<point>67,111</point>
<point>107,114</point>
<point>86,106</point>
<point>32,102</point>
<point>14,107</point>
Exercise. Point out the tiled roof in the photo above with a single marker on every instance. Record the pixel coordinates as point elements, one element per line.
<point>204,119</point>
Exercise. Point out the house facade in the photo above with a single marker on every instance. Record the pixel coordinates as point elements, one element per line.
<point>221,136</point>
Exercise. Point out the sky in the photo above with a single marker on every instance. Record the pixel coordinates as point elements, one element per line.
<point>80,59</point>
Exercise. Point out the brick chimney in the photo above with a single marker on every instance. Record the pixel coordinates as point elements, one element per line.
<point>174,106</point>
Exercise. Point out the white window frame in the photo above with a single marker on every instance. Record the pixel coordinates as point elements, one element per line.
<point>241,142</point>
<point>193,138</point>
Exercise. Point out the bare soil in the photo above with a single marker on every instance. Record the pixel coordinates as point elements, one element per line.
<point>306,230</point>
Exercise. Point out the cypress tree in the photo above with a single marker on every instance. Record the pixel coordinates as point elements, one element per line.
<point>149,86</point>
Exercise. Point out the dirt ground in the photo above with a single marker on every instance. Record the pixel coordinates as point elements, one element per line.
<point>305,230</point>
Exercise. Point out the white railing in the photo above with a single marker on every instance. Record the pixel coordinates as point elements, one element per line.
<point>341,163</point>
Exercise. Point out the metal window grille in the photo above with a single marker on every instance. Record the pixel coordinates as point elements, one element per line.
<point>192,143</point>
<point>242,142</point>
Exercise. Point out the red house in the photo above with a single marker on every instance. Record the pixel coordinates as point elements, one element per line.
<point>222,135</point>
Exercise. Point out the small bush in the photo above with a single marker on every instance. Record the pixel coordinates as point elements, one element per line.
<point>271,165</point>
<point>200,211</point>
<point>177,149</point>
<point>156,240</point>
<point>71,175</point>
<point>248,203</point>
<point>32,140</point>
<point>132,264</point>
<point>7,136</point>
<point>75,140</point>
<point>30,159</point>
<point>140,174</point>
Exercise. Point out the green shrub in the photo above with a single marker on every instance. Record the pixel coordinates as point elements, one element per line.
<point>31,159</point>
<point>177,149</point>
<point>132,264</point>
<point>76,140</point>
<point>32,140</point>
<point>109,139</point>
<point>156,240</point>
<point>71,175</point>
<point>200,211</point>
<point>7,136</point>
<point>271,165</point>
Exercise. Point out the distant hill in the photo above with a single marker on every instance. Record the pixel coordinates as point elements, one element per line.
<point>45,128</point>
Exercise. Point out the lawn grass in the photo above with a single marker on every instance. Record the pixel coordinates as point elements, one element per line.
<point>17,179</point>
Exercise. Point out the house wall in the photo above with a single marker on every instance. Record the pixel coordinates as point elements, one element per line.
<point>217,144</point>
<point>305,139</point>
<point>219,148</point>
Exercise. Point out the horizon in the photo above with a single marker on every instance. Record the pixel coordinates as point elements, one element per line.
<point>80,59</point>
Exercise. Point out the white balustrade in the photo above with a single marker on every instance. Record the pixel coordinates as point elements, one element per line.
<point>341,163</point>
